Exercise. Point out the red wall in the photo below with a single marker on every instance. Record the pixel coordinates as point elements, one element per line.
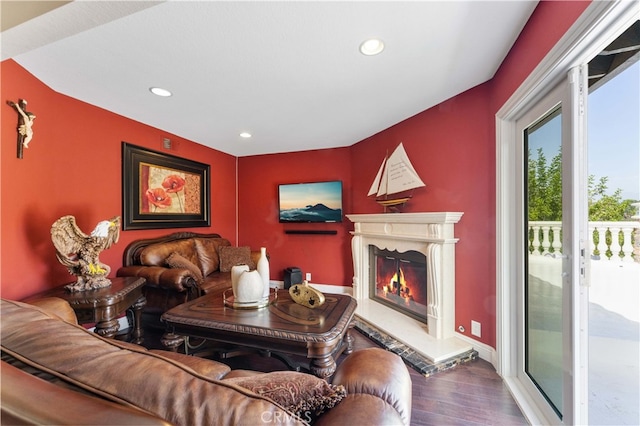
<point>73,166</point>
<point>548,23</point>
<point>453,151</point>
<point>452,147</point>
<point>326,257</point>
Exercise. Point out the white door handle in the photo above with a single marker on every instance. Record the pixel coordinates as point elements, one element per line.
<point>557,256</point>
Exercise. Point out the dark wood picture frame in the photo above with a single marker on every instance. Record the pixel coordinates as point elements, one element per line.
<point>163,191</point>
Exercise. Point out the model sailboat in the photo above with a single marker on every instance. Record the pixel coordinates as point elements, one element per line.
<point>395,176</point>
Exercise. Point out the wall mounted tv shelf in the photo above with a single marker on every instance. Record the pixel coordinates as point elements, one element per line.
<point>310,231</point>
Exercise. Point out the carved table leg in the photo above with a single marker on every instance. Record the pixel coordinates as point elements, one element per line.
<point>323,367</point>
<point>348,338</point>
<point>171,341</point>
<point>138,334</point>
<point>108,328</point>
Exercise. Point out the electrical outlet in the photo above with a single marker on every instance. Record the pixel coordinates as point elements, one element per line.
<point>308,276</point>
<point>476,328</point>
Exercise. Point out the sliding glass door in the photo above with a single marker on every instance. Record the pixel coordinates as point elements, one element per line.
<point>543,244</point>
<point>551,290</point>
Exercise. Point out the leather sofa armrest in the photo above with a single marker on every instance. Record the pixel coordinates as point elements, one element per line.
<point>30,400</point>
<point>361,409</point>
<point>206,367</point>
<point>378,373</point>
<point>178,279</point>
<point>56,306</point>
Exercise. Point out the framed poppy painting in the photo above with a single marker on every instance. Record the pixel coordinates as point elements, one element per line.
<point>163,191</point>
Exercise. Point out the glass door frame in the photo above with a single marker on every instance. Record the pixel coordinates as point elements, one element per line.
<point>600,24</point>
<point>559,98</point>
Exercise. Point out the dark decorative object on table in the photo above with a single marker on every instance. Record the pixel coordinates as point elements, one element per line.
<point>292,275</point>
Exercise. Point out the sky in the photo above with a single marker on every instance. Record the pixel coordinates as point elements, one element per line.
<point>613,134</point>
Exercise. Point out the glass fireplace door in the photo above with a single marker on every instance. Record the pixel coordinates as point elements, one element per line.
<point>399,281</point>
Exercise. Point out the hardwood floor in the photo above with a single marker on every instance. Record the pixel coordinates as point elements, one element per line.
<point>469,394</point>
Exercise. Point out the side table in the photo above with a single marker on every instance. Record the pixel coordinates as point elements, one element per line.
<point>103,306</point>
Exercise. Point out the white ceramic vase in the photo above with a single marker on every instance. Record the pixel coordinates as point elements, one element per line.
<point>263,269</point>
<point>248,289</point>
<point>236,271</point>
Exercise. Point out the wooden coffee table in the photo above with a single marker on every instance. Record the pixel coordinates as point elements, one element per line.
<point>282,328</point>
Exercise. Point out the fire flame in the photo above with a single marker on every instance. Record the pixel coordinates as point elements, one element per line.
<point>398,285</point>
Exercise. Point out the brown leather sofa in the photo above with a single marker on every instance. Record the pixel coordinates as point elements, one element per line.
<point>182,266</point>
<point>56,372</point>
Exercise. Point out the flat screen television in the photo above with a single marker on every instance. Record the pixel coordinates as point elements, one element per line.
<point>316,202</point>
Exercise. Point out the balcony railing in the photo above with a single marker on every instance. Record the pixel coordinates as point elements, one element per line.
<point>610,241</point>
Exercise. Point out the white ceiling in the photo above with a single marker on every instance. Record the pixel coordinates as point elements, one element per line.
<point>288,72</point>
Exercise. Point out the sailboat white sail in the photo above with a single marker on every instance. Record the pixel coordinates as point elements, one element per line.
<point>396,175</point>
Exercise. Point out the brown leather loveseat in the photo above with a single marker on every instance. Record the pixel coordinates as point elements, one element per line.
<point>182,266</point>
<point>56,372</point>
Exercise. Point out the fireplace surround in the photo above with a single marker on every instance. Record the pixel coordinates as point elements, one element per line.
<point>431,234</point>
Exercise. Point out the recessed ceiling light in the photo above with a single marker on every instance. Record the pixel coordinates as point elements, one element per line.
<point>371,47</point>
<point>160,92</point>
<point>245,135</point>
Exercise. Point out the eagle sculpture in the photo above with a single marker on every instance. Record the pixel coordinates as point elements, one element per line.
<point>79,252</point>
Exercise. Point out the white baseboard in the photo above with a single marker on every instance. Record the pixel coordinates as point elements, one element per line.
<point>325,288</point>
<point>333,289</point>
<point>485,351</point>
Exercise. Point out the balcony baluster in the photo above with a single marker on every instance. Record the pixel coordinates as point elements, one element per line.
<point>621,246</point>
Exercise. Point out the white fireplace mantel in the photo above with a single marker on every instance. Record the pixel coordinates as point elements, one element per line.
<point>430,217</point>
<point>433,235</point>
<point>432,227</point>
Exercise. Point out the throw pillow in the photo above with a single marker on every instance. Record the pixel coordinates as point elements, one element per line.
<point>232,256</point>
<point>176,260</point>
<point>306,395</point>
<point>209,253</point>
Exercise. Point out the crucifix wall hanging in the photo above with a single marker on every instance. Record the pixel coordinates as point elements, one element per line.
<point>25,121</point>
